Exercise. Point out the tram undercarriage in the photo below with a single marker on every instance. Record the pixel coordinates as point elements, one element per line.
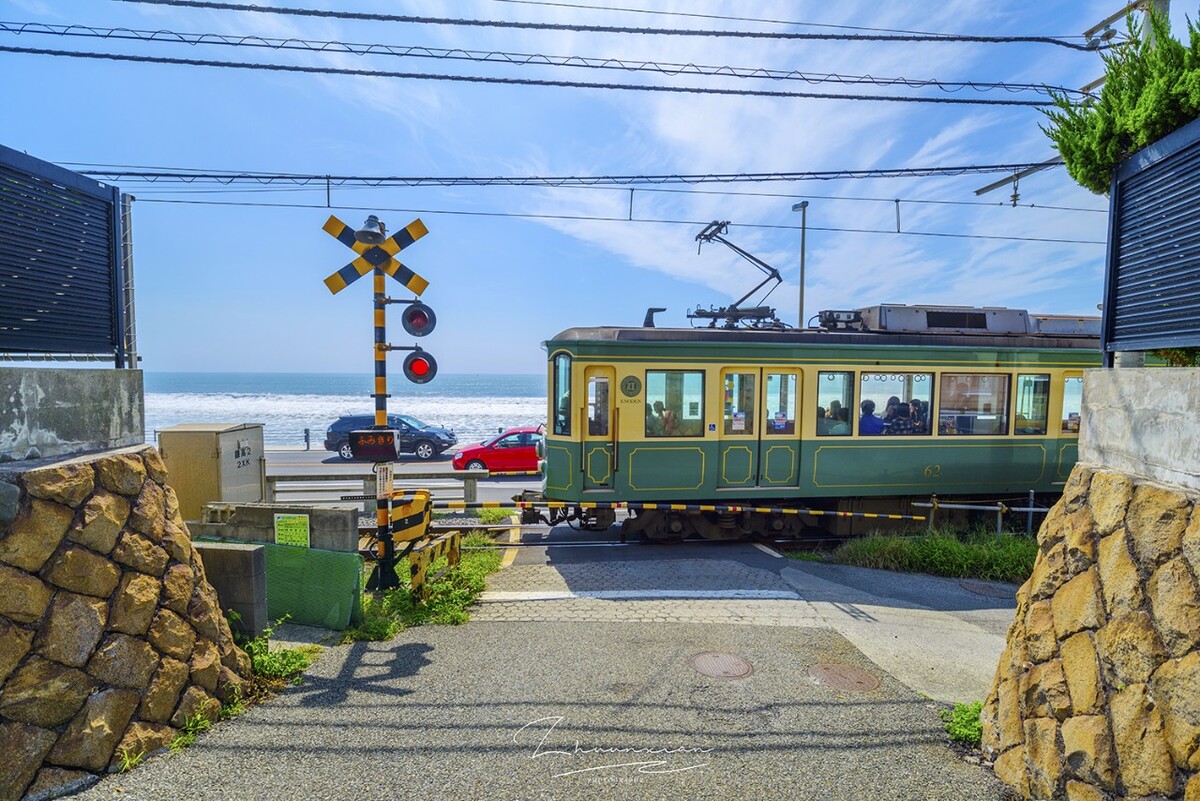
<point>822,519</point>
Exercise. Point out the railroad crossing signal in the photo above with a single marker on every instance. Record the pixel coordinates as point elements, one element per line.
<point>375,256</point>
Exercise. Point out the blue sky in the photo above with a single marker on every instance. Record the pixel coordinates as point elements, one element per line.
<point>225,287</point>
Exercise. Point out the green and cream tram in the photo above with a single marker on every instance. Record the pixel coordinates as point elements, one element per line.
<point>991,401</point>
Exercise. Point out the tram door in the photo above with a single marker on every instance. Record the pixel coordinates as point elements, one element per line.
<point>759,446</point>
<point>779,452</point>
<point>600,430</point>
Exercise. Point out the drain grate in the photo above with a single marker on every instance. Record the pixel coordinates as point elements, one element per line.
<point>721,666</point>
<point>842,677</point>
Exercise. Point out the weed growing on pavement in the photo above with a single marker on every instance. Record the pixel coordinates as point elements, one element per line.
<point>385,614</point>
<point>128,760</point>
<point>270,670</point>
<point>963,723</point>
<point>284,665</point>
<point>193,726</point>
<point>977,554</point>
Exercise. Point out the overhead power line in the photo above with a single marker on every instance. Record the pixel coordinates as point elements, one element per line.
<point>553,26</point>
<point>519,59</point>
<point>296,179</point>
<point>420,76</point>
<point>643,189</point>
<point>724,17</point>
<point>641,220</point>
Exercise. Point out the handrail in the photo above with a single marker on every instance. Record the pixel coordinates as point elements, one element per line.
<point>1000,509</point>
<point>469,479</point>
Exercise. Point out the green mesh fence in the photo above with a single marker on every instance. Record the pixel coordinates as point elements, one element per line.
<point>313,587</point>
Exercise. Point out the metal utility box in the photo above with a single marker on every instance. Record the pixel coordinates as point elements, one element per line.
<point>209,462</point>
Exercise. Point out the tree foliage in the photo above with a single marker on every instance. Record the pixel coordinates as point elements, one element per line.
<point>1152,87</point>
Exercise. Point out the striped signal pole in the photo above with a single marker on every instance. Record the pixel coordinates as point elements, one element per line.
<point>375,251</point>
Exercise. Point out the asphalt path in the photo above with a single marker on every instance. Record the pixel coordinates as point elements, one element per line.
<point>560,704</point>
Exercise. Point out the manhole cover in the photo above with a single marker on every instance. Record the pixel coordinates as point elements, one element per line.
<point>721,666</point>
<point>989,590</point>
<point>842,677</point>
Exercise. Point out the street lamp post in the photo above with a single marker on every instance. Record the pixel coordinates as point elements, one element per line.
<point>802,207</point>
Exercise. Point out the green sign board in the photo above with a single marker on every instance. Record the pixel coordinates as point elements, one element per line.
<point>291,530</point>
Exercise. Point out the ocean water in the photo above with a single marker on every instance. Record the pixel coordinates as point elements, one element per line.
<point>473,406</point>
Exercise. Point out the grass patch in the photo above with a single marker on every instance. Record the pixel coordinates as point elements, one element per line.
<point>386,614</point>
<point>975,554</point>
<point>490,517</point>
<point>963,724</point>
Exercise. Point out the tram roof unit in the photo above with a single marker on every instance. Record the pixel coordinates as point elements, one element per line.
<point>884,324</point>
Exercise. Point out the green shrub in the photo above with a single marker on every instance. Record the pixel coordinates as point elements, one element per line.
<point>963,723</point>
<point>1151,88</point>
<point>979,555</point>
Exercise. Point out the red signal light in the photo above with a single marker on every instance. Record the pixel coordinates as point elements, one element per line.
<point>420,367</point>
<point>418,319</point>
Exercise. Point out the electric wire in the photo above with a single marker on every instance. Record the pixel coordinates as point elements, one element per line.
<point>654,189</point>
<point>640,220</point>
<point>522,81</point>
<point>298,179</point>
<point>575,28</point>
<point>514,59</point>
<point>724,17</point>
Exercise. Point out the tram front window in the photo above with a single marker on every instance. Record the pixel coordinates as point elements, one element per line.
<point>562,394</point>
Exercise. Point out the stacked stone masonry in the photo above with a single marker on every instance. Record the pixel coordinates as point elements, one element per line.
<point>1097,695</point>
<point>111,639</point>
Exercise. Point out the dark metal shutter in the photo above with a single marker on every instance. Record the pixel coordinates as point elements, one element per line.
<point>59,262</point>
<point>1152,297</point>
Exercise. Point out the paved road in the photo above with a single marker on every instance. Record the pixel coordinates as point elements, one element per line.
<point>322,462</point>
<point>576,679</point>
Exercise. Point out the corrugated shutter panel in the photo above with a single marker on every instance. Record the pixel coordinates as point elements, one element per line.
<point>1154,280</point>
<point>57,288</point>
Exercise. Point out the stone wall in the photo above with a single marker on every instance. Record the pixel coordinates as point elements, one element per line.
<point>1097,695</point>
<point>110,636</point>
<point>58,412</point>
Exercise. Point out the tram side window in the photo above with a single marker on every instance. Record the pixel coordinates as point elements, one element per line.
<point>674,403</point>
<point>1033,404</point>
<point>895,404</point>
<point>974,404</point>
<point>1072,403</point>
<point>835,401</point>
<point>562,394</point>
<point>739,403</point>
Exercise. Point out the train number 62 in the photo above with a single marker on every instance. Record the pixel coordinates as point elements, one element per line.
<point>933,470</point>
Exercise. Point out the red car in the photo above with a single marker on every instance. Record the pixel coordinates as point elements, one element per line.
<point>515,449</point>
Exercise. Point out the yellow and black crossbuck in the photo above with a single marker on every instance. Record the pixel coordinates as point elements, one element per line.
<point>372,256</point>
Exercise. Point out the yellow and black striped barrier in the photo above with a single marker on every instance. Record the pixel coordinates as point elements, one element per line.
<point>666,507</point>
<point>422,556</point>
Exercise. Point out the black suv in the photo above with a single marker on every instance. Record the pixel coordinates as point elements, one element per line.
<point>415,437</point>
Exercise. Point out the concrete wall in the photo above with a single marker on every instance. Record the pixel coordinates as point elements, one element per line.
<point>58,412</point>
<point>1143,422</point>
